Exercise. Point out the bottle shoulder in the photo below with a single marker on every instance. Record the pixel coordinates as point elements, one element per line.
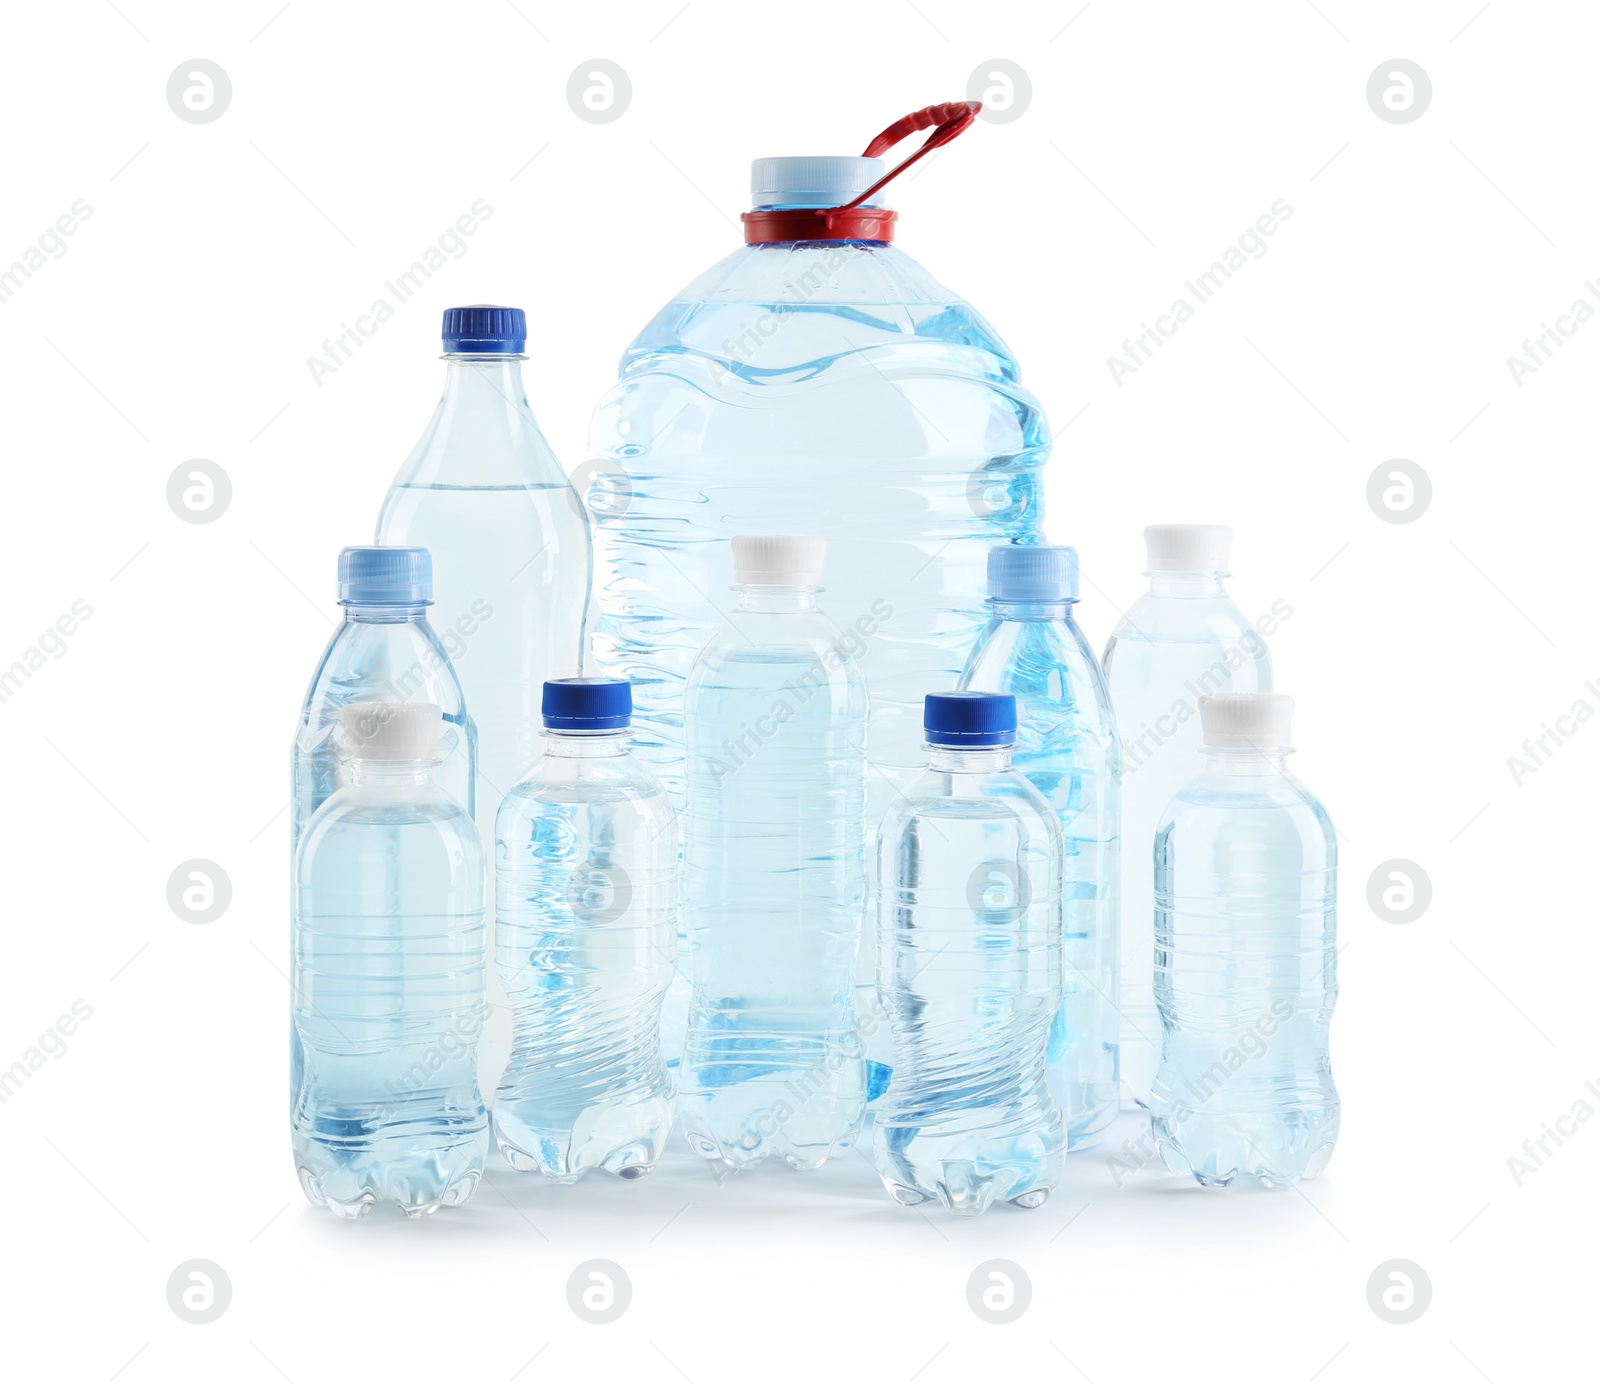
<point>403,660</point>
<point>1003,796</point>
<point>1219,804</point>
<point>422,817</point>
<point>1048,666</point>
<point>805,644</point>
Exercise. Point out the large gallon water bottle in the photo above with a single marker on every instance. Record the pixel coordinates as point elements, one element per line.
<point>510,543</point>
<point>585,937</point>
<point>817,380</point>
<point>969,900</point>
<point>774,872</point>
<point>384,650</point>
<point>388,977</point>
<point>1182,640</point>
<point>1067,748</point>
<point>1245,959</point>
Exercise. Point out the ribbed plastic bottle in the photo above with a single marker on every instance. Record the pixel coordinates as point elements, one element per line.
<point>1182,640</point>
<point>586,938</point>
<point>816,380</point>
<point>1246,956</point>
<point>388,977</point>
<point>383,650</point>
<point>774,871</point>
<point>511,553</point>
<point>969,900</point>
<point>1067,748</point>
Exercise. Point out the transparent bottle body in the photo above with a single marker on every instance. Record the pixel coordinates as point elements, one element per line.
<point>509,537</point>
<point>830,388</point>
<point>774,887</point>
<point>1245,977</point>
<point>970,974</point>
<point>586,936</point>
<point>377,653</point>
<point>387,997</point>
<point>1067,748</point>
<point>1182,640</point>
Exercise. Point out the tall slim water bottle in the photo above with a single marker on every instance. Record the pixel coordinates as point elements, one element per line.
<point>510,543</point>
<point>969,968</point>
<point>586,936</point>
<point>1067,748</point>
<point>1246,865</point>
<point>388,977</point>
<point>1182,640</point>
<point>383,650</point>
<point>775,712</point>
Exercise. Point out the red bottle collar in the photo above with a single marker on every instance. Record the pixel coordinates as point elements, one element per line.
<point>852,221</point>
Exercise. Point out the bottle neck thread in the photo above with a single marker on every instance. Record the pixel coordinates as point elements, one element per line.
<point>985,759</point>
<point>777,600</point>
<point>586,744</point>
<point>1187,583</point>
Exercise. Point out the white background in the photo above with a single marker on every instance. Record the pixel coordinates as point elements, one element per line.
<point>219,256</point>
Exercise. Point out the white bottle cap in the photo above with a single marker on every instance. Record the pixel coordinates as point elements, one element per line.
<point>1187,548</point>
<point>1246,720</point>
<point>778,560</point>
<point>391,730</point>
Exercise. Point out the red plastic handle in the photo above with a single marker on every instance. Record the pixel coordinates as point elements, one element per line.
<point>852,221</point>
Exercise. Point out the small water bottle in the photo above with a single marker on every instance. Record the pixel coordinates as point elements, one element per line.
<point>1067,748</point>
<point>1245,864</point>
<point>585,940</point>
<point>969,925</point>
<point>384,650</point>
<point>388,994</point>
<point>775,712</point>
<point>1184,639</point>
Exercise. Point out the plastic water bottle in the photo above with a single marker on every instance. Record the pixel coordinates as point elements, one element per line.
<point>1184,639</point>
<point>969,898</point>
<point>774,872</point>
<point>586,932</point>
<point>1245,959</point>
<point>385,650</point>
<point>510,543</point>
<point>1067,748</point>
<point>816,380</point>
<point>388,978</point>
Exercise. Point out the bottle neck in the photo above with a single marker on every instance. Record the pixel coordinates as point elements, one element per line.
<point>1246,762</point>
<point>586,744</point>
<point>777,600</point>
<point>470,381</point>
<point>357,613</point>
<point>1187,583</point>
<point>1034,612</point>
<point>987,759</point>
<point>390,773</point>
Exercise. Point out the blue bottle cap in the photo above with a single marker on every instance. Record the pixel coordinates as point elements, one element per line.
<point>1018,573</point>
<point>385,576</point>
<point>587,704</point>
<point>970,720</point>
<point>485,330</point>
